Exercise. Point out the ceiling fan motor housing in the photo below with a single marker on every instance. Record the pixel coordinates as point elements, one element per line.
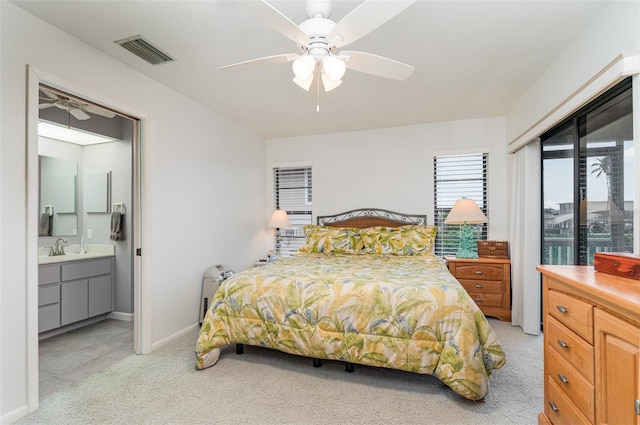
<point>318,29</point>
<point>318,8</point>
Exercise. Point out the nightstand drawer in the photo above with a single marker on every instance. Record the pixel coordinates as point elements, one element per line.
<point>479,271</point>
<point>484,286</point>
<point>570,347</point>
<point>486,300</point>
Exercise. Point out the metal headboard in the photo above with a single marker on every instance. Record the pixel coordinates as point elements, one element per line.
<point>374,216</point>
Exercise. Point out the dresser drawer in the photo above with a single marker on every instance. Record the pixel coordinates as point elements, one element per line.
<point>570,382</point>
<point>482,286</point>
<point>479,271</point>
<point>560,409</point>
<point>575,314</point>
<point>571,348</point>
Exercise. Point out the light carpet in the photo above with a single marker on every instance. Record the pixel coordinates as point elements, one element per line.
<point>268,387</point>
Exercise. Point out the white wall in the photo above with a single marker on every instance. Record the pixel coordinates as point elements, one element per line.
<point>205,181</point>
<point>615,29</point>
<point>392,168</point>
<point>116,157</point>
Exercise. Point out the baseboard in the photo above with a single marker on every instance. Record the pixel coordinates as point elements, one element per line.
<point>173,337</point>
<point>14,415</point>
<point>118,315</point>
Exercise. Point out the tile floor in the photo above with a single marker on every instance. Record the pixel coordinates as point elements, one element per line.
<point>73,356</point>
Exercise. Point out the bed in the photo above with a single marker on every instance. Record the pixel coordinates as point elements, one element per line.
<point>364,289</point>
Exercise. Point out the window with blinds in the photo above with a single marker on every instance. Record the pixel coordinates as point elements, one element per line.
<point>292,191</point>
<point>455,177</point>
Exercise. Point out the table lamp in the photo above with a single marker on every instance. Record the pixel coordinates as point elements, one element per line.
<point>465,211</point>
<point>279,219</point>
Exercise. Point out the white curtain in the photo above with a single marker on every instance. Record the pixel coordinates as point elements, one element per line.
<point>524,237</point>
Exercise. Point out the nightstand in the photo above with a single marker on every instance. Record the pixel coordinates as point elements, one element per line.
<point>488,282</point>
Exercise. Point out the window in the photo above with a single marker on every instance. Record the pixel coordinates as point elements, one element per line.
<point>455,177</point>
<point>292,191</point>
<point>588,161</point>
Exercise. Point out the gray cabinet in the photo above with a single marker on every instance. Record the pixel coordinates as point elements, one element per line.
<point>72,291</point>
<point>74,301</point>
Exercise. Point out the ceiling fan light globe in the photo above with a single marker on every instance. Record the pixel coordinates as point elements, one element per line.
<point>334,68</point>
<point>303,67</point>
<point>328,83</point>
<point>304,84</point>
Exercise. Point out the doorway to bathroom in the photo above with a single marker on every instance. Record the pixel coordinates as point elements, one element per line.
<point>102,183</point>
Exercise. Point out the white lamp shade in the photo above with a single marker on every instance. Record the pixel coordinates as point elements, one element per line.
<point>303,67</point>
<point>328,83</point>
<point>465,211</point>
<point>305,84</point>
<point>334,67</point>
<point>279,220</point>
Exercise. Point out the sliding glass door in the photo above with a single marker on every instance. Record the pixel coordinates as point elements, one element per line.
<point>588,181</point>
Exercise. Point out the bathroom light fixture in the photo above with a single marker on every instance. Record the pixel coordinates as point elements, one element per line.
<point>465,211</point>
<point>279,220</point>
<point>70,135</point>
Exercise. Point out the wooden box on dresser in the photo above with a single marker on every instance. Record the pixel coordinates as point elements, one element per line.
<point>488,282</point>
<point>591,347</point>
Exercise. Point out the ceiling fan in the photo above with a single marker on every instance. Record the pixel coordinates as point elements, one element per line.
<point>76,108</point>
<point>318,39</point>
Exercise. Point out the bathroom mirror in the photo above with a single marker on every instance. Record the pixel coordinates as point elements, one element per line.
<point>58,197</point>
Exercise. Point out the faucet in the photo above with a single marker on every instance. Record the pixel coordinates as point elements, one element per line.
<point>59,249</point>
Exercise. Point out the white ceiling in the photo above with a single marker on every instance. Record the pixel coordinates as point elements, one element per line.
<point>473,59</point>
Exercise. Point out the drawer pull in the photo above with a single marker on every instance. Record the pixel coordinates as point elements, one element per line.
<point>478,300</point>
<point>563,378</point>
<point>478,272</point>
<point>479,286</point>
<point>553,406</point>
<point>637,405</point>
<point>562,309</point>
<point>563,344</point>
<point>616,264</point>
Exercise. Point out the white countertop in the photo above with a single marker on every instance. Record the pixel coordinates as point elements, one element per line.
<point>73,253</point>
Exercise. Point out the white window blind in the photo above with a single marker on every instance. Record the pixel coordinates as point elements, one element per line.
<point>455,177</point>
<point>292,190</point>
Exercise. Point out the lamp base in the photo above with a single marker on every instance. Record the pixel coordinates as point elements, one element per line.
<point>467,242</point>
<point>465,253</point>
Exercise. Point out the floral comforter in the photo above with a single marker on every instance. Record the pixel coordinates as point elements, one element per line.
<point>400,312</point>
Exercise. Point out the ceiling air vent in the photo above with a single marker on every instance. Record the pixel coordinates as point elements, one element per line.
<point>145,50</point>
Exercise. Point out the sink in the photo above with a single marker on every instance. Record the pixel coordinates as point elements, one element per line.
<point>72,253</point>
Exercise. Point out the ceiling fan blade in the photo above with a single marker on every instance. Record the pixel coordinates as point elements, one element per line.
<point>276,19</point>
<point>92,109</point>
<point>364,19</point>
<point>45,105</point>
<point>377,65</point>
<point>79,114</point>
<point>49,94</point>
<point>254,63</point>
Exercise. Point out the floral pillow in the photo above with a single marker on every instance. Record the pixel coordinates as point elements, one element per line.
<point>332,239</point>
<point>403,240</point>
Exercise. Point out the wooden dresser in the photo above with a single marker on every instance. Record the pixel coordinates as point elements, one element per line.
<point>591,347</point>
<point>488,282</point>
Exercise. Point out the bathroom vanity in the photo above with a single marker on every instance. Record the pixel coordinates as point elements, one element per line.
<point>73,288</point>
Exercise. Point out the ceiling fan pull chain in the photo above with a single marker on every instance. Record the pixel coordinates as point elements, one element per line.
<point>318,94</point>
